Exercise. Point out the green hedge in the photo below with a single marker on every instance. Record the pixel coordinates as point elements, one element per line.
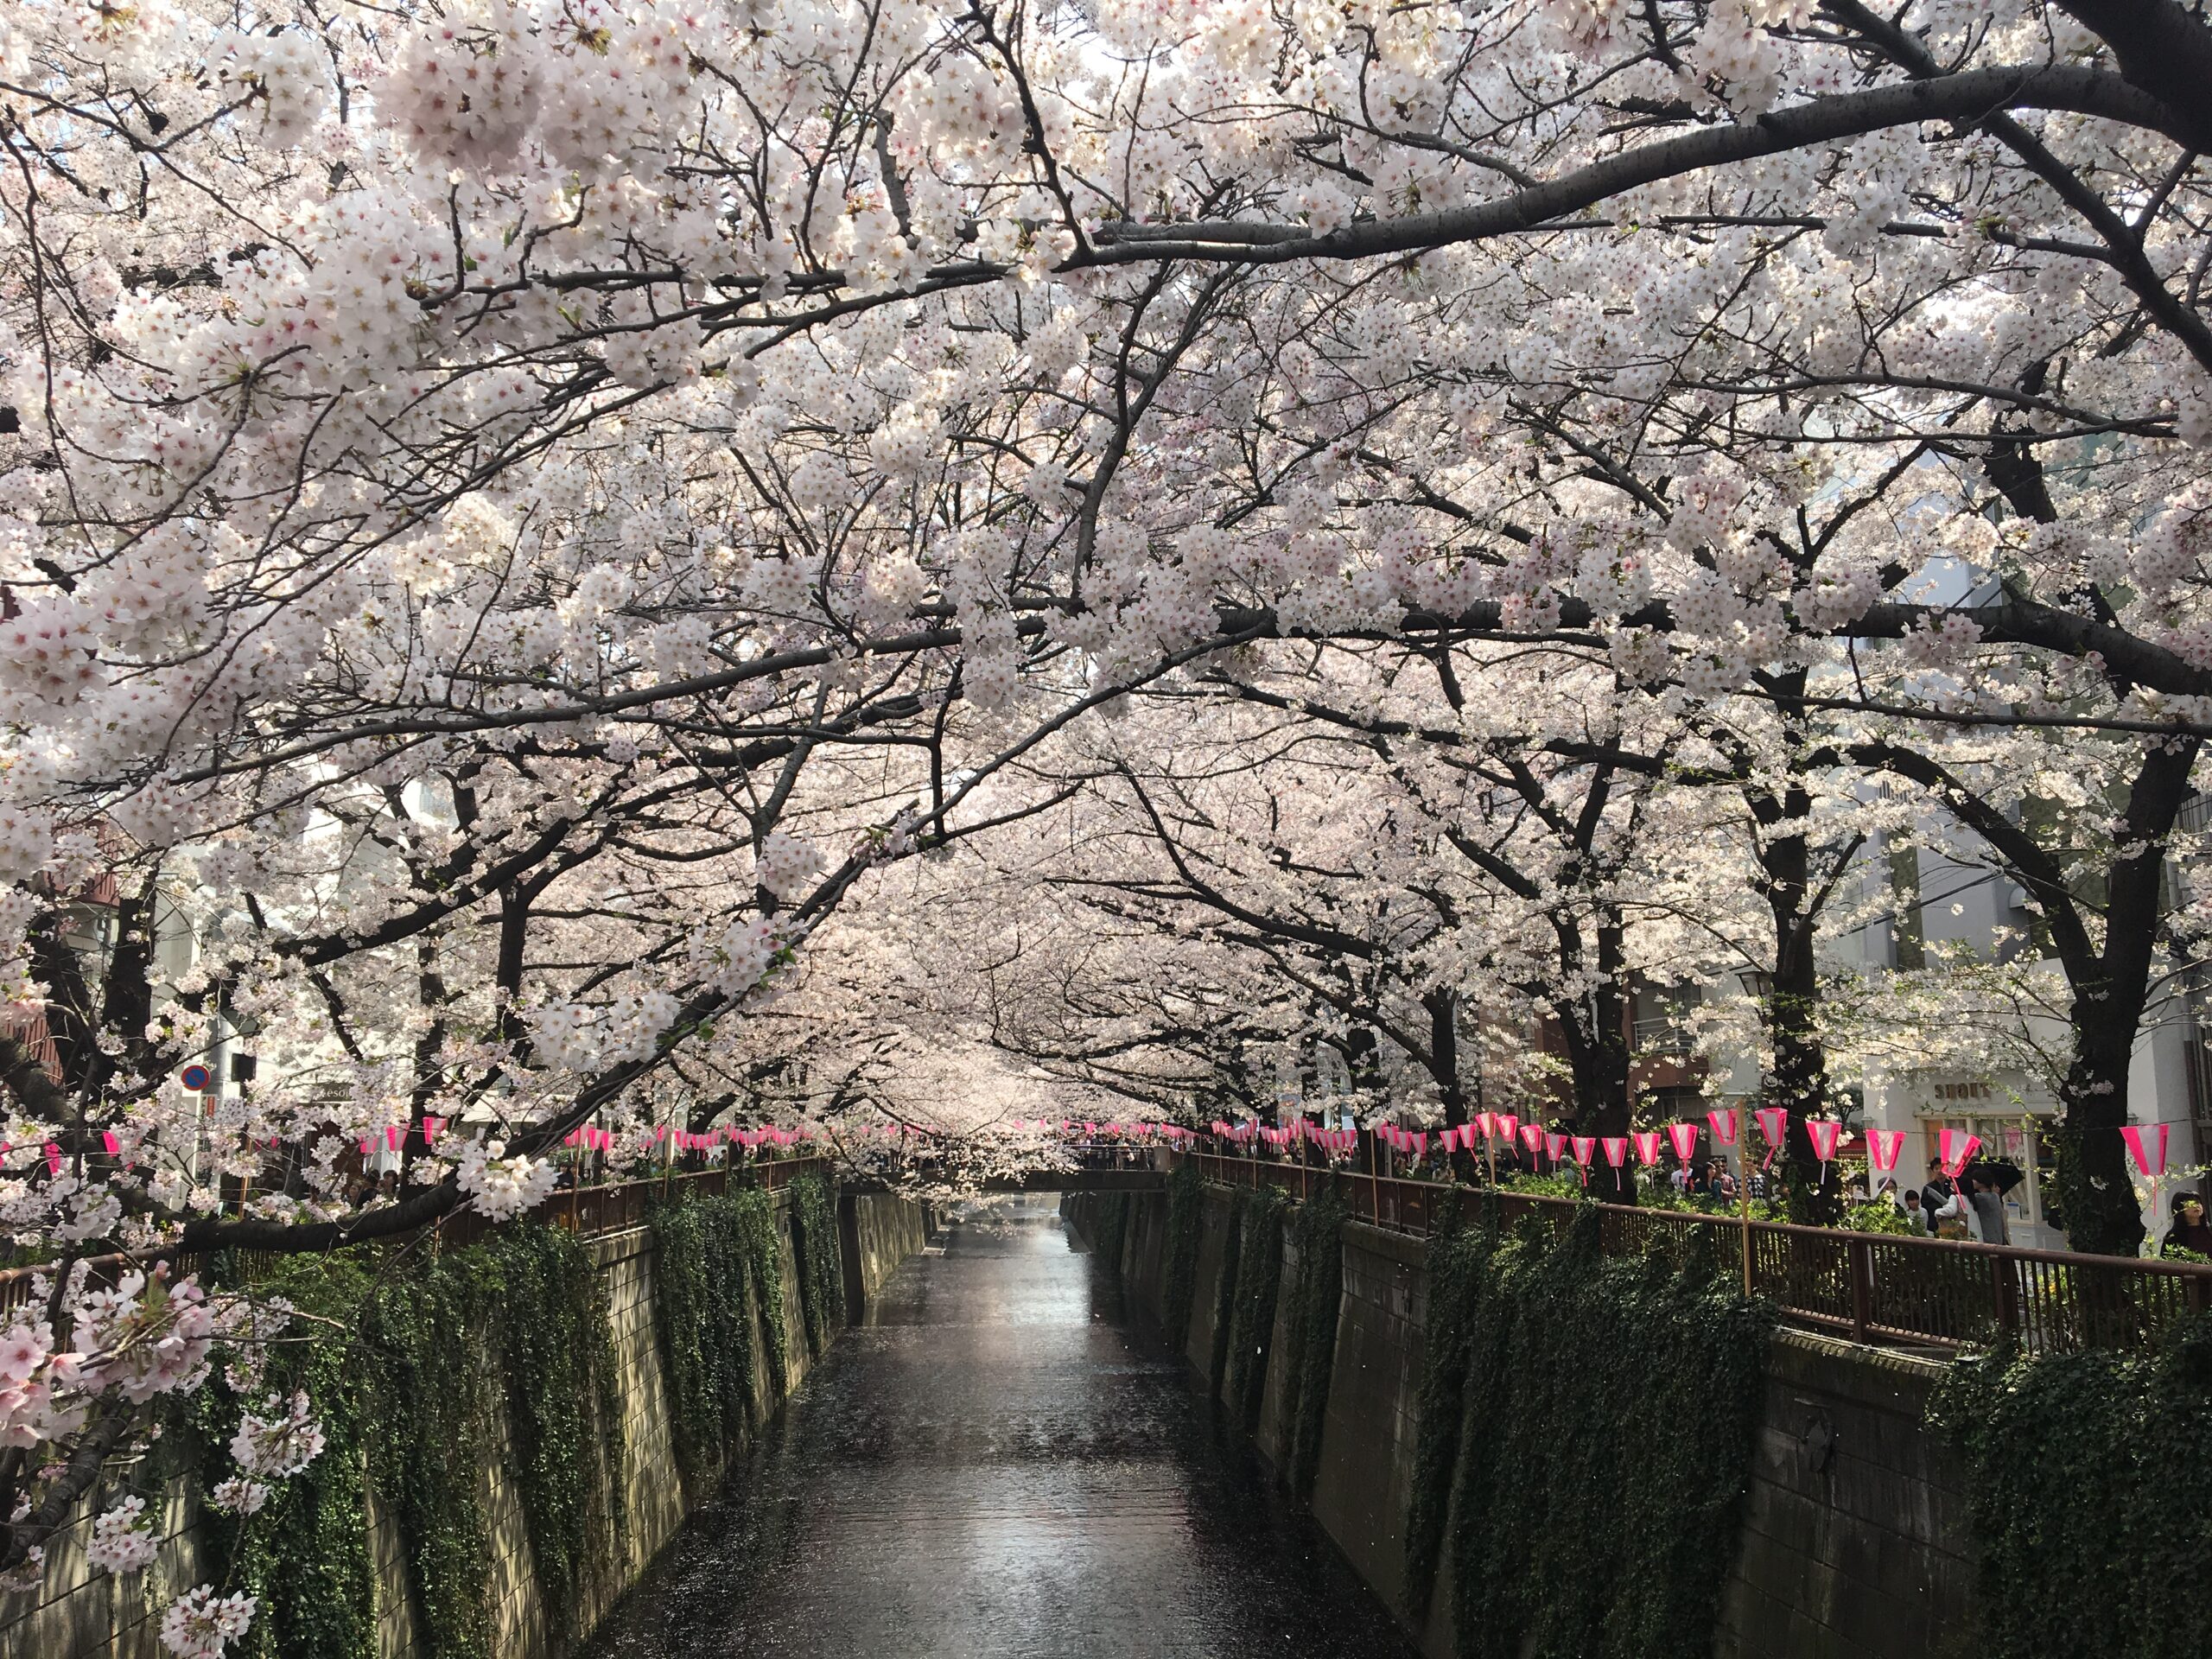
<point>719,1273</point>
<point>2086,1483</point>
<point>1588,1422</point>
<point>408,1362</point>
<point>1310,1334</point>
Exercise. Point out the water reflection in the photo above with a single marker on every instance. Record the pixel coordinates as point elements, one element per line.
<point>994,1466</point>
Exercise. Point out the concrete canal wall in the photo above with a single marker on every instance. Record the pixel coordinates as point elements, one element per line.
<point>78,1614</point>
<point>1852,1543</point>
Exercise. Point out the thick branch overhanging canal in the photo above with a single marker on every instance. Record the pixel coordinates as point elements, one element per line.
<point>996,1465</point>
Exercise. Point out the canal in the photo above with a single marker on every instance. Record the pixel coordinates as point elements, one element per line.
<point>996,1465</point>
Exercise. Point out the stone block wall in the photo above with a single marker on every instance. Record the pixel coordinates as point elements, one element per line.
<point>76,1610</point>
<point>1373,1393</point>
<point>877,1232</point>
<point>1853,1543</point>
<point>78,1614</point>
<point>1855,1521</point>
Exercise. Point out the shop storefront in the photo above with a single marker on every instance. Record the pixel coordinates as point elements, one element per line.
<point>2011,1132</point>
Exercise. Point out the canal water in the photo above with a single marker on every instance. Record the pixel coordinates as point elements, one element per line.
<point>996,1465</point>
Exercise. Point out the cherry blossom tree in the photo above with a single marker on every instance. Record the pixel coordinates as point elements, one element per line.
<point>517,515</point>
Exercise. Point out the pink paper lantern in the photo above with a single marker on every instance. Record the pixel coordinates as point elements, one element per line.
<point>2147,1145</point>
<point>1723,1121</point>
<point>1825,1132</point>
<point>1883,1146</point>
<point>1684,1136</point>
<point>1958,1150</point>
<point>1647,1147</point>
<point>1774,1126</point>
<point>1615,1150</point>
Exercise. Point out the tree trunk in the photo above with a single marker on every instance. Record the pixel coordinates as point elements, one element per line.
<point>1443,1006</point>
<point>1598,1066</point>
<point>1798,1081</point>
<point>2093,1189</point>
<point>2096,1195</point>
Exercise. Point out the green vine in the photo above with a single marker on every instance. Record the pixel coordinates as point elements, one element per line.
<point>428,1444</point>
<point>2086,1482</point>
<point>1252,1322</point>
<point>1606,1410</point>
<point>305,1558</point>
<point>408,1371</point>
<point>1179,1280</point>
<point>1458,1264</point>
<point>1310,1335</point>
<point>821,1261</point>
<point>719,1273</point>
<point>564,1410</point>
<point>1111,1230</point>
<point>1224,1300</point>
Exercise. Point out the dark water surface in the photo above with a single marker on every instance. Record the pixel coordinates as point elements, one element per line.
<point>994,1466</point>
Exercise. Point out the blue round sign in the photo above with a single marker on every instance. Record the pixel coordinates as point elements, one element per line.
<point>196,1078</point>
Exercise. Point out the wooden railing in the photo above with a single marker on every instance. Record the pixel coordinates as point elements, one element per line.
<point>1890,1289</point>
<point>610,1207</point>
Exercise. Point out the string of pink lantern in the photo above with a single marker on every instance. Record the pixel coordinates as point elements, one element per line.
<point>1487,1133</point>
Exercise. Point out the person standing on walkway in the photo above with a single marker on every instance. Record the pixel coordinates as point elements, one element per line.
<point>2190,1230</point>
<point>1989,1209</point>
<point>1934,1195</point>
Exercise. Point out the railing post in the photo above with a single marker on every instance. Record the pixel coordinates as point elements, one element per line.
<point>2007,1285</point>
<point>1861,1253</point>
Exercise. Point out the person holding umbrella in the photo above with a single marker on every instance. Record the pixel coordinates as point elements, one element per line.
<point>1992,1179</point>
<point>1988,1207</point>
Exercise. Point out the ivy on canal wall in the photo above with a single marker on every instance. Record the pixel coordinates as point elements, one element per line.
<point>410,1400</point>
<point>1310,1335</point>
<point>719,1280</point>
<point>1110,1229</point>
<point>1225,1298</point>
<point>1252,1322</point>
<point>305,1557</point>
<point>1179,1265</point>
<point>2088,1483</point>
<point>1587,1424</point>
<point>821,1265</point>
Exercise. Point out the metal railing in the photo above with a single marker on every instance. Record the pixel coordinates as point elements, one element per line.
<point>610,1207</point>
<point>1659,1033</point>
<point>1887,1289</point>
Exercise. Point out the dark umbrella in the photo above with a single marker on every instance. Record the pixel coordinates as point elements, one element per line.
<point>2000,1173</point>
